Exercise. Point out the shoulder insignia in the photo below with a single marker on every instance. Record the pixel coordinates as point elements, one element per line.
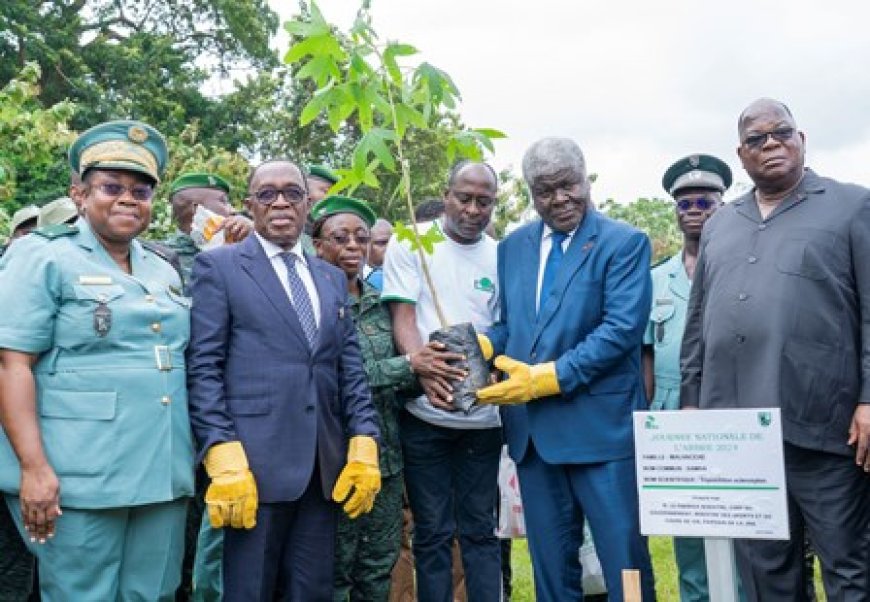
<point>661,261</point>
<point>56,231</point>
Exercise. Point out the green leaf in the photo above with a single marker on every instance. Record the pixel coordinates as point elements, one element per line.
<point>320,69</point>
<point>324,44</point>
<point>491,133</point>
<point>393,50</point>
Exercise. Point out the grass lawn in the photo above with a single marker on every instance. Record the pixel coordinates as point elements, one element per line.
<point>664,568</point>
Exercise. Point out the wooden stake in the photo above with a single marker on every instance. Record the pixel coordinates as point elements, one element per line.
<point>631,585</point>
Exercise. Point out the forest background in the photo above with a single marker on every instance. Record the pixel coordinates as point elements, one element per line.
<point>66,65</point>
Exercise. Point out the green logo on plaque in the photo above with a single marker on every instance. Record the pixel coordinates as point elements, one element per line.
<point>764,418</point>
<point>650,423</point>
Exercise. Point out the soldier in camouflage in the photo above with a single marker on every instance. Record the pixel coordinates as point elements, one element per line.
<point>367,547</point>
<point>212,192</point>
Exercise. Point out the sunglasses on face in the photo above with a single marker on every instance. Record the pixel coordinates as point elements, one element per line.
<point>268,195</point>
<point>139,192</point>
<point>343,238</point>
<point>702,203</point>
<point>756,141</point>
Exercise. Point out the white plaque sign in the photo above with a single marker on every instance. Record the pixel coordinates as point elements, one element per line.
<point>711,473</point>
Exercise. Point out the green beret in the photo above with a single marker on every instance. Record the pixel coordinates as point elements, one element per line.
<point>125,145</point>
<point>58,211</point>
<point>324,173</point>
<point>697,171</point>
<point>335,204</point>
<point>198,180</point>
<point>22,216</point>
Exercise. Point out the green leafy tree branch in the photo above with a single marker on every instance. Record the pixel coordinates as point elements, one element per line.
<point>358,77</point>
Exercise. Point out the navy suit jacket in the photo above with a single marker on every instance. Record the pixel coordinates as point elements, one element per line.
<point>591,325</point>
<point>253,377</point>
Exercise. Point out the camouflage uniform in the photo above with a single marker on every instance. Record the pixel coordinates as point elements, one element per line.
<point>186,250</point>
<point>367,548</point>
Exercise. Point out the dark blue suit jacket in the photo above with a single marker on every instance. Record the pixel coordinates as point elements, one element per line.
<point>252,376</point>
<point>591,325</point>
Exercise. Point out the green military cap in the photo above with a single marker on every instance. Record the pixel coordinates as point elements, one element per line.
<point>22,216</point>
<point>336,203</point>
<point>198,180</point>
<point>697,171</point>
<point>324,173</point>
<point>126,145</point>
<point>58,211</point>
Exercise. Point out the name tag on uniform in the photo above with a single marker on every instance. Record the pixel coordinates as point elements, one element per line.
<point>665,301</point>
<point>95,280</point>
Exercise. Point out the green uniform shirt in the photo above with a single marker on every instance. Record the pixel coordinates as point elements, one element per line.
<point>671,286</point>
<point>186,250</point>
<point>110,378</point>
<point>387,372</point>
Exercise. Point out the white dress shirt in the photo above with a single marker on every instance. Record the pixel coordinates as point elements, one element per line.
<point>274,253</point>
<point>546,245</point>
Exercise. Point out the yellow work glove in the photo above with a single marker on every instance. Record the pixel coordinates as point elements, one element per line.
<point>232,496</point>
<point>485,346</point>
<point>360,473</point>
<point>525,382</point>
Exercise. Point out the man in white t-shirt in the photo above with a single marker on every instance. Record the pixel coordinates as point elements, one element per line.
<point>451,457</point>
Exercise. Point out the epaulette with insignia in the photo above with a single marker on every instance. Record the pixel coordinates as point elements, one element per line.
<point>662,261</point>
<point>56,231</point>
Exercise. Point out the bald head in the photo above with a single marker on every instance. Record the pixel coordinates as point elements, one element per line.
<point>381,232</point>
<point>763,106</point>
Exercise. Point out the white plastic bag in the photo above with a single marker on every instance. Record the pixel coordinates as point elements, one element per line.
<point>511,522</point>
<point>204,229</point>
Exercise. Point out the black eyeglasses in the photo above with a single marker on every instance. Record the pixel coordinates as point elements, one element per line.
<point>702,203</point>
<point>756,141</point>
<point>484,202</point>
<point>343,238</point>
<point>292,194</point>
<point>139,192</point>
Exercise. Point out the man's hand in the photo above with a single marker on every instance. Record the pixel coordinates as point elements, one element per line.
<point>40,502</point>
<point>859,435</point>
<point>431,361</point>
<point>232,496</point>
<point>236,228</point>
<point>361,474</point>
<point>524,384</point>
<point>439,392</point>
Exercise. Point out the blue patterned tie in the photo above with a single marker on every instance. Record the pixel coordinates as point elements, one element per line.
<point>551,268</point>
<point>301,300</point>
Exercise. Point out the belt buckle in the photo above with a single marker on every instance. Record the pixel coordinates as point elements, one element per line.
<point>163,358</point>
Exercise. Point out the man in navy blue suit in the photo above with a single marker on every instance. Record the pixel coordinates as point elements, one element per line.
<point>575,296</point>
<point>277,388</point>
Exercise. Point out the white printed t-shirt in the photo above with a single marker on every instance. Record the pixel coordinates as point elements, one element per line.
<point>465,282</point>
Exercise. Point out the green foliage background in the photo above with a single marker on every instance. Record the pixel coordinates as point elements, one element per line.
<point>66,65</point>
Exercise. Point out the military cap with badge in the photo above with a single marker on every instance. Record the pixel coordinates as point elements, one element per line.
<point>697,171</point>
<point>336,203</point>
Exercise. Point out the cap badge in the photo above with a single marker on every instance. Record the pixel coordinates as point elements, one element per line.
<point>694,160</point>
<point>137,134</point>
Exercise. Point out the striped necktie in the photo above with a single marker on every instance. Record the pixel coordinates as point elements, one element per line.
<point>301,300</point>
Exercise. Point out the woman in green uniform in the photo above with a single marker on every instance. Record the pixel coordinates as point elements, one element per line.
<point>368,546</point>
<point>96,457</point>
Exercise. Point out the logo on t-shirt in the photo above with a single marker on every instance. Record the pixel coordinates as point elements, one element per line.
<point>484,284</point>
